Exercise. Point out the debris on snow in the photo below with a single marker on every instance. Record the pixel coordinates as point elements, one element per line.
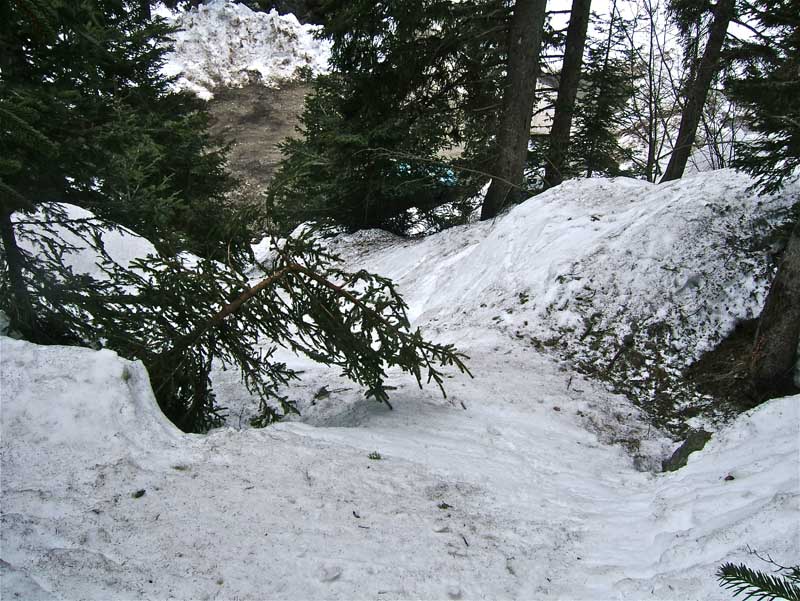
<point>224,43</point>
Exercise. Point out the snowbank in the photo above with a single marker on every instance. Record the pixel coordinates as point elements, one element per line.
<point>512,498</point>
<point>37,234</point>
<point>628,280</point>
<point>529,481</point>
<point>224,43</point>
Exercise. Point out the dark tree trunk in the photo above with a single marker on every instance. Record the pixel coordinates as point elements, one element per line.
<point>144,7</point>
<point>698,90</point>
<point>775,347</point>
<point>567,91</point>
<point>22,315</point>
<point>525,42</point>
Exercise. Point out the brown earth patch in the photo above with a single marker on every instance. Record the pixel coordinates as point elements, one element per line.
<point>254,119</point>
<point>723,372</point>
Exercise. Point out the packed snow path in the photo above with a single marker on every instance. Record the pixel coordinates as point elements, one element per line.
<point>513,497</point>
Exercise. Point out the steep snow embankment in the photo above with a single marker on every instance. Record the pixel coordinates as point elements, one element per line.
<point>224,43</point>
<point>512,498</point>
<point>628,280</point>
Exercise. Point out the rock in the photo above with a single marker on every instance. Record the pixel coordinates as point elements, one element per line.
<point>695,442</point>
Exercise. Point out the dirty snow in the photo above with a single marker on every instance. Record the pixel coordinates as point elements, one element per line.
<point>529,481</point>
<point>224,43</point>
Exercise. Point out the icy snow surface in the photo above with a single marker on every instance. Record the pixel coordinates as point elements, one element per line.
<point>224,43</point>
<point>527,482</point>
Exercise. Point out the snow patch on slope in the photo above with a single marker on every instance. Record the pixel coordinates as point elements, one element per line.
<point>39,235</point>
<point>624,278</point>
<point>224,43</point>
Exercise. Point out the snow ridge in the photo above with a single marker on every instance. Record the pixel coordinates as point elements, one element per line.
<point>627,279</point>
<point>224,43</point>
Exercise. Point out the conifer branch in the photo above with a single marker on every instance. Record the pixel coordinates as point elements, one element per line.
<point>756,585</point>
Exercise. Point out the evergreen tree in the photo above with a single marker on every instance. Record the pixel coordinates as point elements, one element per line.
<point>410,81</point>
<point>568,83</point>
<point>698,87</point>
<point>768,88</point>
<point>514,127</point>
<point>606,90</point>
<point>86,119</point>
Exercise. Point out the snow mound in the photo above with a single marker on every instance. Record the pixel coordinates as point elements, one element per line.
<point>224,43</point>
<point>629,280</point>
<point>74,402</point>
<point>38,234</point>
<point>511,499</point>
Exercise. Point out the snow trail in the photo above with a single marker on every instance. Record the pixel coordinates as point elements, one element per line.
<point>528,481</point>
<point>511,498</point>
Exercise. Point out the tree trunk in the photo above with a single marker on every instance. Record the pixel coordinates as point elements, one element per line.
<point>567,91</point>
<point>698,90</point>
<point>775,347</point>
<point>22,315</point>
<point>603,87</point>
<point>514,131</point>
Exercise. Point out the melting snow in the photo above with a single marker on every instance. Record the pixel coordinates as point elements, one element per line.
<point>529,481</point>
<point>224,43</point>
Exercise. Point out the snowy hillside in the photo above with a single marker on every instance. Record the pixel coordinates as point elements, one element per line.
<point>226,44</point>
<point>628,281</point>
<point>528,481</point>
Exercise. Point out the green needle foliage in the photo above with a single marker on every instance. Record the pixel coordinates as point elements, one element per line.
<point>410,82</point>
<point>757,585</point>
<point>97,153</point>
<point>767,86</point>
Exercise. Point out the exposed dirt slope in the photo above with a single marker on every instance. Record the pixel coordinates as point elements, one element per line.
<point>254,120</point>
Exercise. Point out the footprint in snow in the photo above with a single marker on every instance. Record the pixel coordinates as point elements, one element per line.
<point>330,573</point>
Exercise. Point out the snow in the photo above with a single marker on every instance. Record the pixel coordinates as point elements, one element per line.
<point>122,246</point>
<point>509,498</point>
<point>528,481</point>
<point>595,267</point>
<point>226,44</point>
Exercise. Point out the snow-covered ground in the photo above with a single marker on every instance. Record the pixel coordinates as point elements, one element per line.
<point>627,280</point>
<point>226,44</point>
<point>512,497</point>
<point>528,481</point>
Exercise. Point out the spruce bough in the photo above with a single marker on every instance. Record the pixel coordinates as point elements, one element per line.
<point>87,121</point>
<point>757,585</point>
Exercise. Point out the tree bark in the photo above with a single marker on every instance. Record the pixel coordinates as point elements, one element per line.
<point>567,91</point>
<point>524,45</point>
<point>22,316</point>
<point>776,345</point>
<point>698,90</point>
